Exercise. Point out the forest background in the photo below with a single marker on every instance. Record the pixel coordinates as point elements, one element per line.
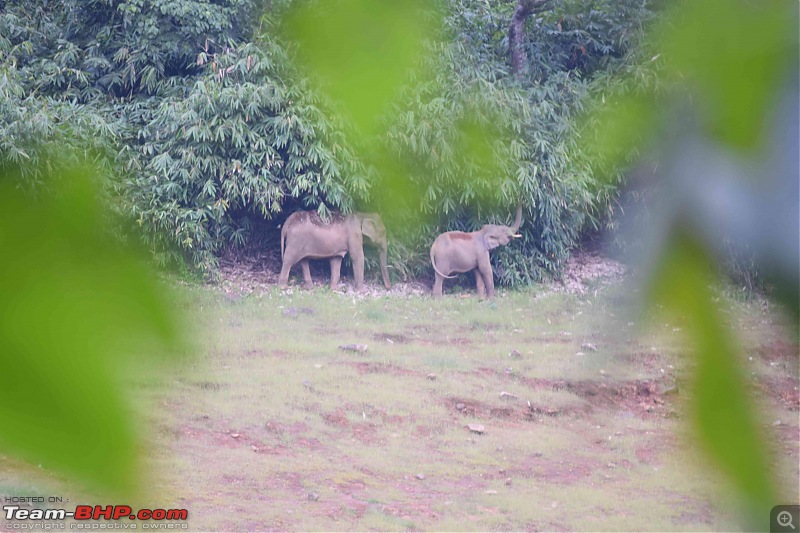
<point>211,131</point>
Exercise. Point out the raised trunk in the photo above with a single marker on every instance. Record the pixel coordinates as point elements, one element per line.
<point>384,267</point>
<point>517,219</point>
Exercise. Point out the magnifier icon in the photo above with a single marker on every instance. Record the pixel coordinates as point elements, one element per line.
<point>785,519</point>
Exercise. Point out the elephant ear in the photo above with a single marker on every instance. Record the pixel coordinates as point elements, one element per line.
<point>369,228</point>
<point>490,241</point>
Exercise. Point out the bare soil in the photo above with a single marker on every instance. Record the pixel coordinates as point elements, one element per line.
<point>258,273</point>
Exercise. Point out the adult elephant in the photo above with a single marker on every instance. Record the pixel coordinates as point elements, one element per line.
<point>458,252</point>
<point>306,236</point>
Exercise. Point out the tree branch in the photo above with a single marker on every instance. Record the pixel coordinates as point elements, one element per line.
<point>516,32</point>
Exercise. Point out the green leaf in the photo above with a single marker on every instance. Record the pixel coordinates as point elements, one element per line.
<point>362,50</point>
<point>736,54</point>
<point>721,408</point>
<point>75,307</point>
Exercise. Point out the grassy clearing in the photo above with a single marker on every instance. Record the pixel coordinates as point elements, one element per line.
<point>269,425</point>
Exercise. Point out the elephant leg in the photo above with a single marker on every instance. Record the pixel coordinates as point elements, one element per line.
<point>485,269</point>
<point>288,262</point>
<point>488,279</point>
<point>283,277</point>
<point>358,268</point>
<point>437,285</point>
<point>479,284</point>
<point>336,270</point>
<point>306,274</point>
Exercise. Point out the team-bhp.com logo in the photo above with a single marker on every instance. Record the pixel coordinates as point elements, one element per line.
<point>97,512</point>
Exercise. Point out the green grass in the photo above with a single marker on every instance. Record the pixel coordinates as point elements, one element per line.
<point>269,425</point>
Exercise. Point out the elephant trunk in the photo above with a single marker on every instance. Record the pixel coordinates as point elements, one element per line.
<point>517,219</point>
<point>384,267</point>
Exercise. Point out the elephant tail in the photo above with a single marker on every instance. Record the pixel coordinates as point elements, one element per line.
<point>283,239</point>
<point>433,262</point>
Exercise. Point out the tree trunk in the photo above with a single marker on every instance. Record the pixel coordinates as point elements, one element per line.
<point>516,32</point>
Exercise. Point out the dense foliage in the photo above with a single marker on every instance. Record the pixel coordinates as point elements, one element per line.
<point>533,117</point>
<point>208,127</point>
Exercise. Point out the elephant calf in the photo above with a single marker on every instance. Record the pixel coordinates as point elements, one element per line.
<point>458,251</point>
<point>306,236</point>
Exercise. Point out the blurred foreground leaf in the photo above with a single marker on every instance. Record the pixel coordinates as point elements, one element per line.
<point>734,55</point>
<point>75,305</point>
<point>362,53</point>
<point>361,50</point>
<point>721,125</point>
<point>721,408</point>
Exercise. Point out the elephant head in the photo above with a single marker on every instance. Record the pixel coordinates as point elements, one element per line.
<point>457,252</point>
<point>372,226</point>
<point>494,235</point>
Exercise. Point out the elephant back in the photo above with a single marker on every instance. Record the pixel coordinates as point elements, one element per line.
<point>312,217</point>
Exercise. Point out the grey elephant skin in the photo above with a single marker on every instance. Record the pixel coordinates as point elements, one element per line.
<point>455,252</point>
<point>306,236</point>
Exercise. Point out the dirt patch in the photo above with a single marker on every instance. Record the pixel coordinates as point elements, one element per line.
<point>646,454</point>
<point>567,469</point>
<point>257,273</point>
<point>783,390</point>
<point>337,419</point>
<point>245,274</point>
<point>468,407</point>
<point>589,268</point>
<point>549,340</point>
<point>446,341</point>
<point>365,432</point>
<point>281,430</point>
<point>208,385</point>
<point>639,396</point>
<point>231,439</point>
<point>398,338</point>
<point>520,411</point>
<point>779,351</point>
<point>482,326</point>
<point>649,361</point>
<point>379,368</point>
<point>785,437</point>
<point>294,312</point>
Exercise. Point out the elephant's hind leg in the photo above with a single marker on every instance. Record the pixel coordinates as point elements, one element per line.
<point>437,285</point>
<point>283,277</point>
<point>336,270</point>
<point>306,274</point>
